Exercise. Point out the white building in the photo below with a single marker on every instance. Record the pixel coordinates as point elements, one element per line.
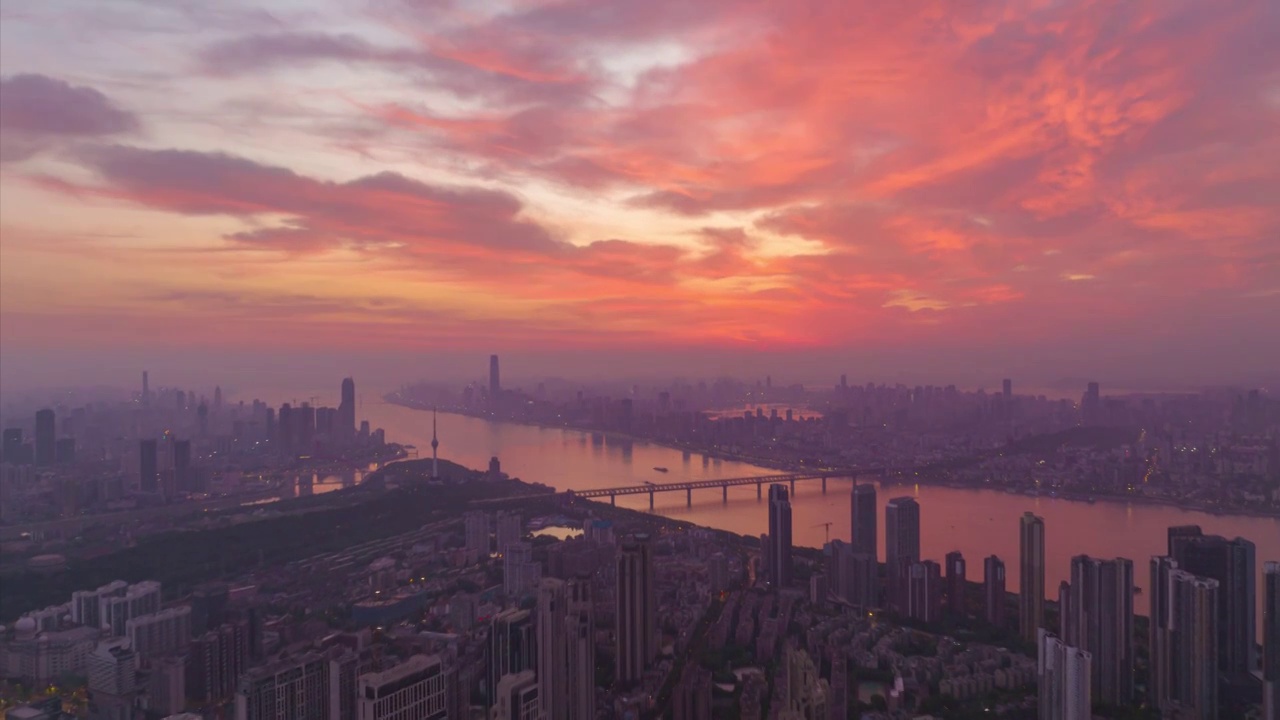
<point>517,698</point>
<point>43,657</point>
<point>160,633</point>
<point>113,668</point>
<point>85,603</point>
<point>520,574</point>
<point>413,690</point>
<point>140,599</point>
<point>1064,686</point>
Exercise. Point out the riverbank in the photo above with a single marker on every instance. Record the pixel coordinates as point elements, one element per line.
<point>904,478</point>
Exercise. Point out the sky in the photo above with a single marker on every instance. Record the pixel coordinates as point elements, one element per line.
<point>935,191</point>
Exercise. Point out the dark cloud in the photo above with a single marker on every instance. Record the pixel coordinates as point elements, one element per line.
<point>37,112</point>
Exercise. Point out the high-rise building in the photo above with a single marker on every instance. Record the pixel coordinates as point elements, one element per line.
<point>1097,617</point>
<point>508,529</point>
<point>553,648</point>
<point>511,648</point>
<point>45,437</point>
<point>167,686</point>
<point>495,383</point>
<point>85,604</point>
<point>901,547</point>
<point>517,698</point>
<point>580,629</point>
<point>691,699</point>
<point>285,431</point>
<point>1007,388</point>
<point>924,591</point>
<point>1271,640</point>
<point>296,688</point>
<point>217,659</point>
<point>520,574</point>
<point>182,466</point>
<point>412,690</point>
<point>779,550</point>
<point>1180,534</point>
<point>1064,677</point>
<point>114,682</point>
<point>1233,564</point>
<point>347,411</point>
<point>476,528</point>
<point>161,633</point>
<point>636,615</point>
<point>1183,637</point>
<point>148,466</point>
<point>1031,575</point>
<point>957,585</point>
<point>862,519</point>
<point>114,611</point>
<point>13,446</point>
<point>806,693</point>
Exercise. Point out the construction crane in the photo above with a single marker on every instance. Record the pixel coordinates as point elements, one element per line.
<point>827,527</point>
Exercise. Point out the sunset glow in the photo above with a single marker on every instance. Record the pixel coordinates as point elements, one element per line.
<point>778,177</point>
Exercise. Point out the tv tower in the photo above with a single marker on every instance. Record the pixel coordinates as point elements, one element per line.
<point>435,443</point>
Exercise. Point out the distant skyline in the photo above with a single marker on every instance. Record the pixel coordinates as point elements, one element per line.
<point>394,190</point>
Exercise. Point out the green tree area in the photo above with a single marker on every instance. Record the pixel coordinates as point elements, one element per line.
<point>181,560</point>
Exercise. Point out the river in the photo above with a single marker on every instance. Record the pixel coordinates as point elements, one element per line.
<point>975,522</point>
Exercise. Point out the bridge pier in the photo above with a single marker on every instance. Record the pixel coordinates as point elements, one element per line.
<point>824,484</point>
<point>759,491</point>
<point>725,488</point>
<point>793,487</point>
<point>650,499</point>
<point>613,499</point>
<point>688,496</point>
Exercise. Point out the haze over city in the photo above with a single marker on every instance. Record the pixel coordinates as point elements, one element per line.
<point>926,193</point>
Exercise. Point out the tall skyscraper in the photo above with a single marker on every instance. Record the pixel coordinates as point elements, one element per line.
<point>435,448</point>
<point>901,547</point>
<point>924,591</point>
<point>285,430</point>
<point>495,383</point>
<point>1064,673</point>
<point>13,446</point>
<point>993,586</point>
<point>553,648</point>
<point>1178,535</point>
<point>1271,640</point>
<point>1007,388</point>
<point>511,648</point>
<point>46,437</point>
<point>146,390</point>
<point>1183,637</point>
<point>862,519</point>
<point>637,613</point>
<point>779,550</point>
<point>347,410</point>
<point>580,630</point>
<point>1232,563</point>
<point>476,533</point>
<point>182,466</point>
<point>148,466</point>
<point>1097,616</point>
<point>957,586</point>
<point>1031,575</point>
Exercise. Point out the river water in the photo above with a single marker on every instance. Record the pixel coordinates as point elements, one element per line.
<point>975,522</point>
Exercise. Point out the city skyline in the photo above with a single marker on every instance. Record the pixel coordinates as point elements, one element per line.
<point>1051,189</point>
